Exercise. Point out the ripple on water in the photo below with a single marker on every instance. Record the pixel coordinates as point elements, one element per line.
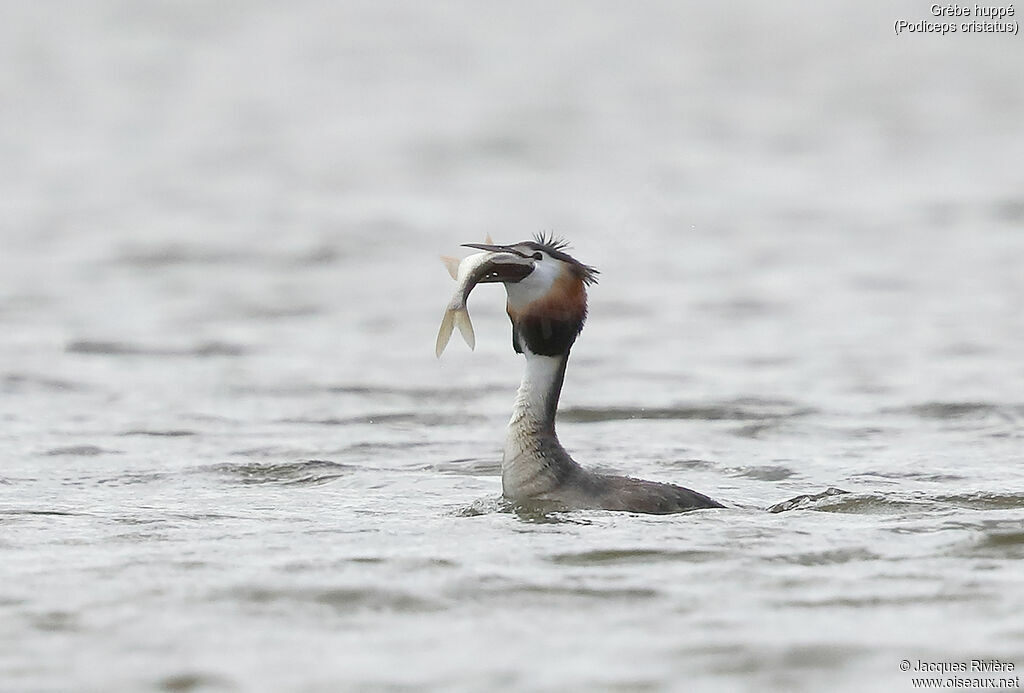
<point>393,419</point>
<point>978,411</point>
<point>839,501</point>
<point>486,506</point>
<point>763,472</point>
<point>366,448</point>
<point>133,478</point>
<point>983,500</point>
<point>19,382</point>
<point>757,429</point>
<point>158,257</point>
<point>1009,210</point>
<point>829,557</point>
<point>469,466</point>
<point>917,476</point>
<point>532,512</point>
<point>80,451</point>
<point>194,681</point>
<point>997,544</point>
<point>741,410</point>
<point>416,395</point>
<point>45,512</point>
<point>805,501</point>
<point>874,504</point>
<point>104,348</point>
<point>421,394</point>
<point>167,433</point>
<point>306,473</point>
<point>523,593</point>
<point>389,564</point>
<point>342,600</point>
<point>57,621</point>
<point>727,659</point>
<point>189,255</point>
<point>271,451</point>
<point>875,601</point>
<point>692,464</point>
<point>599,557</point>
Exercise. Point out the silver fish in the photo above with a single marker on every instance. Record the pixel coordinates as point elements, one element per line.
<point>475,269</point>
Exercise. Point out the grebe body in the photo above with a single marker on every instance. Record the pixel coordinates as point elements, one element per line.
<point>547,306</point>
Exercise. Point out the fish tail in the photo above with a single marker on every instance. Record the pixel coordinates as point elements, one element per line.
<point>465,326</point>
<point>454,317</point>
<point>444,334</point>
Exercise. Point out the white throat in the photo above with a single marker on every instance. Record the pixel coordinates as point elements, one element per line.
<point>533,400</point>
<point>533,461</point>
<point>535,285</point>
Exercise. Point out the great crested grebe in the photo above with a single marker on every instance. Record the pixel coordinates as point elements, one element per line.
<point>547,304</point>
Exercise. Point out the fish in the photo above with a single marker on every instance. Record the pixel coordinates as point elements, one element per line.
<point>478,268</point>
<point>468,273</point>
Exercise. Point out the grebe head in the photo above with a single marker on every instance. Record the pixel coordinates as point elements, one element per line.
<point>547,306</point>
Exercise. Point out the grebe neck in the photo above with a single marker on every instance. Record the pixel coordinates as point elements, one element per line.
<point>534,462</point>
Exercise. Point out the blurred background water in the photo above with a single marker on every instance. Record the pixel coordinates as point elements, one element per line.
<point>230,461</point>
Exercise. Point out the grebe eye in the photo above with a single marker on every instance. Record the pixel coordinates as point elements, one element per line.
<point>538,256</point>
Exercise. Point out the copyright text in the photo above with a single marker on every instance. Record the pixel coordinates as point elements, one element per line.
<point>971,673</point>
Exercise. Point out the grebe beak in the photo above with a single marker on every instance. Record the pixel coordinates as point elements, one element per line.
<point>495,248</point>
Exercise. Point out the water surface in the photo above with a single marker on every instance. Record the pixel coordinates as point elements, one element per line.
<point>230,461</point>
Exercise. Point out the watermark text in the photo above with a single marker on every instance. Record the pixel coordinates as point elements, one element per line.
<point>954,18</point>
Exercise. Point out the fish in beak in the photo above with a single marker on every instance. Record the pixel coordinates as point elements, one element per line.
<point>495,264</point>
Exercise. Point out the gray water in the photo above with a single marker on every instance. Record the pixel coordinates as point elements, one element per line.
<point>230,461</point>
